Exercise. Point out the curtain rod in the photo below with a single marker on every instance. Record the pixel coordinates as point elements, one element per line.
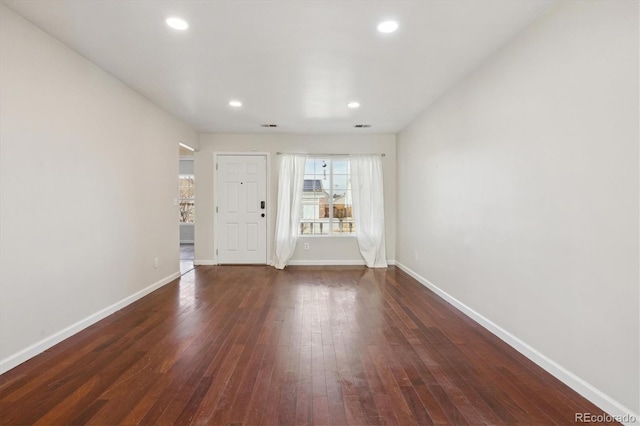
<point>327,155</point>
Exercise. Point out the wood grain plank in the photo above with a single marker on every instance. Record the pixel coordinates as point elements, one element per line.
<point>249,345</point>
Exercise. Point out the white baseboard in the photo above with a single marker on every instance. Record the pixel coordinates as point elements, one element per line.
<point>18,358</point>
<point>187,241</point>
<point>331,262</point>
<point>590,392</point>
<point>306,262</point>
<point>326,262</point>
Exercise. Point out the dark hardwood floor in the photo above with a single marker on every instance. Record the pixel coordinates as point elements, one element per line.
<point>249,345</point>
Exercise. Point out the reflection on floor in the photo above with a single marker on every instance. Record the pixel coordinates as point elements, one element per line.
<point>249,345</point>
<point>186,258</point>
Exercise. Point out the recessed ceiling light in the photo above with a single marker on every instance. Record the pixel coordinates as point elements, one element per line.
<point>177,23</point>
<point>235,104</point>
<point>387,26</point>
<point>353,104</point>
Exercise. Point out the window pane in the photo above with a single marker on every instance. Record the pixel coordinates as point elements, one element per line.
<point>340,185</point>
<point>317,166</point>
<point>340,166</point>
<point>187,212</point>
<point>186,193</point>
<point>317,217</point>
<point>343,213</point>
<point>343,226</point>
<point>308,167</point>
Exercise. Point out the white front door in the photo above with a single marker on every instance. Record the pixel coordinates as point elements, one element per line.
<point>241,209</point>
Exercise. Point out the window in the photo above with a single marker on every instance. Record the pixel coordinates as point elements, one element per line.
<point>187,198</point>
<point>326,198</point>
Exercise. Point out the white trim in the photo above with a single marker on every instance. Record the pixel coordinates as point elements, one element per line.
<point>336,235</point>
<point>204,262</point>
<point>590,392</point>
<point>355,262</point>
<point>326,262</point>
<point>18,358</point>
<point>187,241</point>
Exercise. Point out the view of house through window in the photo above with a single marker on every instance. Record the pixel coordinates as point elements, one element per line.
<point>326,198</point>
<point>187,194</point>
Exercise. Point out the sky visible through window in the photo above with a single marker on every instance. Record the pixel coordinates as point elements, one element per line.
<point>326,200</point>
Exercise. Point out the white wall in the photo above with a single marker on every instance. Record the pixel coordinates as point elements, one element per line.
<point>322,249</point>
<point>518,195</point>
<point>87,182</point>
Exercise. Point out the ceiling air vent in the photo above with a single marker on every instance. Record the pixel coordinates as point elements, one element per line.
<point>362,126</point>
<point>268,125</point>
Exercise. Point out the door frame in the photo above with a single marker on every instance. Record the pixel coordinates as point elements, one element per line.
<point>269,209</point>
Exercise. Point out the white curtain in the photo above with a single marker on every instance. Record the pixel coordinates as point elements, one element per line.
<point>290,185</point>
<point>368,208</point>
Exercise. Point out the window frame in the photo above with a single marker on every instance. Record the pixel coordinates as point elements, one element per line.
<point>331,234</point>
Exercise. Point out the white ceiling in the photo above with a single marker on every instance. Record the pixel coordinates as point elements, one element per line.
<point>293,63</point>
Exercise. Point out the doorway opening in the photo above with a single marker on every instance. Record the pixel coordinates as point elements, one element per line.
<point>186,188</point>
